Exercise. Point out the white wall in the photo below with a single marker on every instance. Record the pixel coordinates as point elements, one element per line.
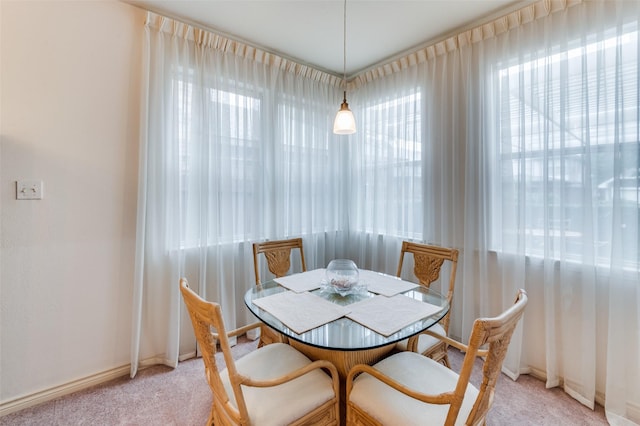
<point>69,115</point>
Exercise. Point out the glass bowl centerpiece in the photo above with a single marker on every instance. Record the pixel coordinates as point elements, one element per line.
<point>342,277</point>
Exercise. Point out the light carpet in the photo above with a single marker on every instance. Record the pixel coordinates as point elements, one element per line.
<point>163,396</point>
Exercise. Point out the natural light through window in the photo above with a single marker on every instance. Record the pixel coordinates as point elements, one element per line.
<point>229,169</point>
<point>392,167</point>
<point>568,149</point>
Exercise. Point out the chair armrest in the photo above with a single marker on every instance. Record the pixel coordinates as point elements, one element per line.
<point>441,398</point>
<point>461,346</point>
<point>316,365</point>
<point>240,330</point>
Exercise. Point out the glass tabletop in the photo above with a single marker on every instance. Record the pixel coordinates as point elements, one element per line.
<point>344,333</point>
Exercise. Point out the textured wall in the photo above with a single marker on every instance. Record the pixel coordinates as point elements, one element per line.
<point>70,89</point>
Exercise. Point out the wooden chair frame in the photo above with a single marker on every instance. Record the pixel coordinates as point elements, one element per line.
<point>495,332</point>
<point>207,315</point>
<point>428,261</point>
<point>278,256</point>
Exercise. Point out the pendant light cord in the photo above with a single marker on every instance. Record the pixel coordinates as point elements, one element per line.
<point>344,47</point>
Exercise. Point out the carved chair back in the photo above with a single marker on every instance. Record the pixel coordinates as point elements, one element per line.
<point>278,256</point>
<point>428,261</point>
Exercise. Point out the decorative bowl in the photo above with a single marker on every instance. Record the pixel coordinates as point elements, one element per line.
<point>342,276</point>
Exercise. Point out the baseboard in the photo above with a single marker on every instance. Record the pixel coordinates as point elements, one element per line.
<point>187,356</point>
<point>253,334</point>
<point>535,372</point>
<point>31,400</point>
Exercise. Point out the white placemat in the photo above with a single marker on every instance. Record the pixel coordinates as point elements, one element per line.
<point>303,281</point>
<point>301,311</point>
<point>384,284</point>
<point>387,315</point>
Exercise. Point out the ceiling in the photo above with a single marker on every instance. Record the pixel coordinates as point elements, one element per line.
<point>311,31</point>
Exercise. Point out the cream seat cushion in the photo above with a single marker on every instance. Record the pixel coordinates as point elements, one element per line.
<point>419,373</point>
<point>279,405</point>
<point>424,340</point>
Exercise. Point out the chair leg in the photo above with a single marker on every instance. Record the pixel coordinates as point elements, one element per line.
<point>445,361</point>
<point>210,421</point>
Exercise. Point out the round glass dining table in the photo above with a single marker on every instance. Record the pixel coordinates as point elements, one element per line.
<point>345,342</point>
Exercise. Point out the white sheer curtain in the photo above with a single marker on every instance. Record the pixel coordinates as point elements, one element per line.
<point>521,149</point>
<point>527,159</point>
<point>235,149</point>
<point>387,169</point>
<point>567,104</point>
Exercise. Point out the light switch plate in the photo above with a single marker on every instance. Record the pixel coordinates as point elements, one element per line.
<point>29,190</point>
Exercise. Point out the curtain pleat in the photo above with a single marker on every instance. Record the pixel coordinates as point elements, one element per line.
<point>485,31</point>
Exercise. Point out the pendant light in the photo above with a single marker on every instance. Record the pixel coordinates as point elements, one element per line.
<point>345,123</point>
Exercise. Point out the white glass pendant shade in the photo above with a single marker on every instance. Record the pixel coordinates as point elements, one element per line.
<point>345,122</point>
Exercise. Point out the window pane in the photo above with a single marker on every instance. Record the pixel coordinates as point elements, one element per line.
<point>569,151</point>
<point>392,201</point>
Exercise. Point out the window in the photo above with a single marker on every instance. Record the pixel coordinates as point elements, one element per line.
<point>568,147</point>
<point>392,183</point>
<point>253,163</point>
<point>219,164</point>
<point>306,172</point>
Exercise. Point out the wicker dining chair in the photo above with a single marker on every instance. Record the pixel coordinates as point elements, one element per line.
<point>428,261</point>
<point>278,256</point>
<point>273,385</point>
<point>410,389</point>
